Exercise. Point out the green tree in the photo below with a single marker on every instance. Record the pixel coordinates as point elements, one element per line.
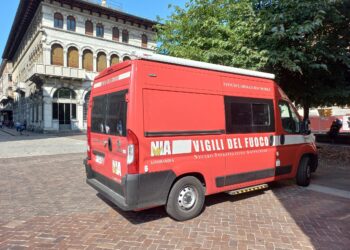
<point>308,47</point>
<point>304,42</point>
<point>217,31</point>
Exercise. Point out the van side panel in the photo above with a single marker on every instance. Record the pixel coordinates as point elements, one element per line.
<point>180,112</point>
<point>175,124</point>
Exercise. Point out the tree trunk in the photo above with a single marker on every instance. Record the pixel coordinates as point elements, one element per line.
<point>306,108</point>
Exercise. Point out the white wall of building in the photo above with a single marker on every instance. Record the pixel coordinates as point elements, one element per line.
<point>33,100</point>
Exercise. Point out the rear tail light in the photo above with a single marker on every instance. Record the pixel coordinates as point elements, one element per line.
<point>133,153</point>
<point>88,143</point>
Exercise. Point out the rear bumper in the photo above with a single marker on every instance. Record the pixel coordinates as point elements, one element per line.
<point>136,191</point>
<point>114,197</point>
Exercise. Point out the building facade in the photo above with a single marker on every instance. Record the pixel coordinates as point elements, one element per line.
<point>54,51</point>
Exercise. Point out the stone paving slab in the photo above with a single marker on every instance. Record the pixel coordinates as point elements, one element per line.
<point>45,204</point>
<point>40,145</point>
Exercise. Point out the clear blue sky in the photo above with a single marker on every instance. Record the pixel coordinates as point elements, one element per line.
<point>147,9</point>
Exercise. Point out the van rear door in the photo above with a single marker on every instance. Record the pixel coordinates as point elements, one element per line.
<point>108,126</point>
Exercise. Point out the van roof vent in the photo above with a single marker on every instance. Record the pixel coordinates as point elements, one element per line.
<point>203,65</point>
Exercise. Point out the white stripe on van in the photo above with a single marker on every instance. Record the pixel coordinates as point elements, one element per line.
<point>182,147</point>
<point>113,79</point>
<point>293,139</point>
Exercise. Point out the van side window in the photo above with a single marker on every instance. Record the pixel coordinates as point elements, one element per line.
<point>290,120</point>
<point>116,114</point>
<point>98,114</point>
<point>249,115</point>
<point>108,114</point>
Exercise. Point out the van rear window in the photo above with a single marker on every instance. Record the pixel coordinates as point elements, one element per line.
<point>108,115</point>
<point>248,115</point>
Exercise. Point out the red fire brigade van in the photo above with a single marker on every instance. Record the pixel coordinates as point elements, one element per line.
<point>170,131</point>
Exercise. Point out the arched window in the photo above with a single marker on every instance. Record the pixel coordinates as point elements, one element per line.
<point>126,58</point>
<point>99,30</point>
<point>101,61</point>
<point>65,93</point>
<point>57,55</point>
<point>89,28</point>
<point>73,57</point>
<point>115,34</point>
<point>88,60</point>
<point>144,41</point>
<point>58,20</point>
<point>114,59</point>
<point>71,23</point>
<point>125,36</point>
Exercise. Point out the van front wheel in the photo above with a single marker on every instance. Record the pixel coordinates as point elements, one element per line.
<point>304,172</point>
<point>186,199</point>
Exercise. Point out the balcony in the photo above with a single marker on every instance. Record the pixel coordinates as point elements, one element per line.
<point>56,71</point>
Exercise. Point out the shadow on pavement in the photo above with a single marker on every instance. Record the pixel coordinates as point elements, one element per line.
<point>323,218</point>
<point>137,217</point>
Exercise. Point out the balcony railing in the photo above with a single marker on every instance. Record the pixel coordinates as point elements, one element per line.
<point>56,71</point>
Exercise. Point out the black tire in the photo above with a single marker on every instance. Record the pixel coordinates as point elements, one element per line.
<point>186,191</point>
<point>304,172</point>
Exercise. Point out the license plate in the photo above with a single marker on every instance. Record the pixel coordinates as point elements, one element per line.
<point>99,159</point>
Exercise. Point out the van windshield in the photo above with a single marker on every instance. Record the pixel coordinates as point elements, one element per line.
<point>108,115</point>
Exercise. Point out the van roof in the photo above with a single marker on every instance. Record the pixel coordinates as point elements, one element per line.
<point>202,65</point>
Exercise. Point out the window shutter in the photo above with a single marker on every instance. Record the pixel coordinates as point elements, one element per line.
<point>57,55</point>
<point>73,58</point>
<point>88,60</point>
<point>114,59</point>
<point>89,28</point>
<point>115,34</point>
<point>101,61</point>
<point>144,41</point>
<point>125,36</point>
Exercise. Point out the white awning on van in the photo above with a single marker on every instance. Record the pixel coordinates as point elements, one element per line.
<point>203,65</point>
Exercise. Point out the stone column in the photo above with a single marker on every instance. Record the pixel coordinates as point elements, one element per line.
<point>108,61</point>
<point>80,59</point>
<point>95,63</point>
<point>80,115</point>
<point>47,113</point>
<point>65,57</point>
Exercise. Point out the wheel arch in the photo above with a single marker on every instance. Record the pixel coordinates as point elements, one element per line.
<point>197,175</point>
<point>313,158</point>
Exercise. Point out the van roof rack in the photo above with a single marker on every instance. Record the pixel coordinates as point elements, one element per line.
<point>203,65</point>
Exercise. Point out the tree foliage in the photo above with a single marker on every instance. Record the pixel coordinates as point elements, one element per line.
<point>305,43</point>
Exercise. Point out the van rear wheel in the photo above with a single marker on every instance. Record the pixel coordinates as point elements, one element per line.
<point>304,172</point>
<point>186,199</point>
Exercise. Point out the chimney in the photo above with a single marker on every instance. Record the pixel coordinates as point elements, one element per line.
<point>104,3</point>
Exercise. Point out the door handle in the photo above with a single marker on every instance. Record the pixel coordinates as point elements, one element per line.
<point>110,144</point>
<point>271,140</point>
<point>282,139</point>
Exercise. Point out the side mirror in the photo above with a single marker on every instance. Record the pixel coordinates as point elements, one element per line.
<point>305,128</point>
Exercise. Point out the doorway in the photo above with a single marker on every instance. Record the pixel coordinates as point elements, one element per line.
<point>64,108</point>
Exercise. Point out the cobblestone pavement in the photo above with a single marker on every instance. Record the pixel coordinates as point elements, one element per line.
<point>32,144</point>
<point>45,204</point>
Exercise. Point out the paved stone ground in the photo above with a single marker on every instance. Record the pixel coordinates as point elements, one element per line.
<point>45,204</point>
<point>31,144</point>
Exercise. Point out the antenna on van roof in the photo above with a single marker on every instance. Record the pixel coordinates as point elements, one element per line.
<point>203,65</point>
